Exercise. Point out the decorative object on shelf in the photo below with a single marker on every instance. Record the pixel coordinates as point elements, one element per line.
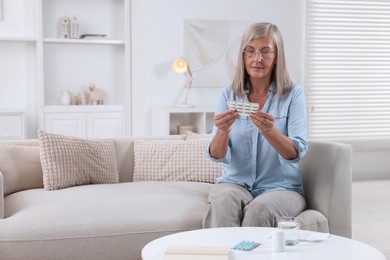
<point>74,28</point>
<point>181,66</point>
<point>64,97</point>
<point>82,97</point>
<point>183,129</point>
<point>92,36</point>
<point>64,27</point>
<point>75,100</point>
<point>96,95</point>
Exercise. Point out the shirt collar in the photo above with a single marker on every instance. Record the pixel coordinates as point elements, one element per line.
<point>272,87</point>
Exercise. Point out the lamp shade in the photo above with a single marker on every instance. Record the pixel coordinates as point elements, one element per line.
<point>180,65</point>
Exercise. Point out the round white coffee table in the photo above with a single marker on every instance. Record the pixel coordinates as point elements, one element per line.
<point>334,247</point>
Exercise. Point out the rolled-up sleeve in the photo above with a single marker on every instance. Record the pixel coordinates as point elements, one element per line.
<point>297,125</point>
<point>225,159</point>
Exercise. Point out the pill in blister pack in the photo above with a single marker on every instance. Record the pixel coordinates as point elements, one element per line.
<point>246,245</point>
<point>243,108</point>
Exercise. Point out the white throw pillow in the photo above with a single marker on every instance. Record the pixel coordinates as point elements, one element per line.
<point>70,161</point>
<point>174,160</point>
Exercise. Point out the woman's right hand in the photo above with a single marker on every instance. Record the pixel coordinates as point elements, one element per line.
<point>224,121</point>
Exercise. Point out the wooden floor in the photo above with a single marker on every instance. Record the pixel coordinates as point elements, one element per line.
<point>371,213</point>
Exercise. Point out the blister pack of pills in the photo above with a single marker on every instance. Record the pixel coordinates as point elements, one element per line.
<point>243,108</point>
<point>246,245</point>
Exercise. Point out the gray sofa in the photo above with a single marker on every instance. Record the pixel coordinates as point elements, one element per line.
<point>115,221</point>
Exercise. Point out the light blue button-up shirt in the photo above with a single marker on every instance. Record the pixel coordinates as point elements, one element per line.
<point>251,161</point>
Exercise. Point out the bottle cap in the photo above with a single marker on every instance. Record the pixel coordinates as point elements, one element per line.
<point>278,234</point>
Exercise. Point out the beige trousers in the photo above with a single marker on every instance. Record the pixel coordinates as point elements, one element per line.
<point>231,205</point>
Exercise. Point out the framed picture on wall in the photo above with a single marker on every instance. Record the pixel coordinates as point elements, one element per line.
<point>211,48</point>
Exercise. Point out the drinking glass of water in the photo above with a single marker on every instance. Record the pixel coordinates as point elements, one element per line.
<point>290,227</point>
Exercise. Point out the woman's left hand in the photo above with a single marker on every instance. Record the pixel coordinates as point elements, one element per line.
<point>263,121</point>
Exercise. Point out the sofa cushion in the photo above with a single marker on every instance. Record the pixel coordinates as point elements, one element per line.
<point>174,160</point>
<point>99,220</point>
<point>21,167</point>
<point>70,161</point>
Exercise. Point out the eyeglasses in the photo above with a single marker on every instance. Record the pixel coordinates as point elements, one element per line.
<point>264,53</point>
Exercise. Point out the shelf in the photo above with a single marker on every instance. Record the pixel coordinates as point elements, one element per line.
<point>18,39</point>
<point>165,120</point>
<point>11,111</point>
<point>84,108</point>
<point>82,41</point>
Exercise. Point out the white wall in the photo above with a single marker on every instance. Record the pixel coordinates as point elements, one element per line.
<point>157,40</point>
<point>17,89</point>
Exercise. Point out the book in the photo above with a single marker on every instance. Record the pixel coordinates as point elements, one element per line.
<point>92,36</point>
<point>196,253</point>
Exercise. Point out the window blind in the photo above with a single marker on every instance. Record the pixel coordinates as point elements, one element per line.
<point>347,70</point>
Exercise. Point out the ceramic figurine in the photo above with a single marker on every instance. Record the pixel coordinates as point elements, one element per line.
<point>74,28</point>
<point>96,95</point>
<point>64,97</point>
<point>82,97</point>
<point>64,27</point>
<point>75,100</point>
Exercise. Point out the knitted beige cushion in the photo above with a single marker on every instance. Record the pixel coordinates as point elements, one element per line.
<point>70,161</point>
<point>21,168</point>
<point>174,160</point>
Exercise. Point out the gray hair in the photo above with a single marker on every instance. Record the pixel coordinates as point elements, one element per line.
<point>279,72</point>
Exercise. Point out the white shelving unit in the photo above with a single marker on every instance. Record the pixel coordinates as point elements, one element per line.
<point>37,65</point>
<point>165,119</point>
<point>73,64</point>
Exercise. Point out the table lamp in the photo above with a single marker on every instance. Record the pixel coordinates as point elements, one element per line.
<point>181,66</point>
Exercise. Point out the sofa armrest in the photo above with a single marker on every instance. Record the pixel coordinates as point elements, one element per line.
<point>327,179</point>
<point>1,196</point>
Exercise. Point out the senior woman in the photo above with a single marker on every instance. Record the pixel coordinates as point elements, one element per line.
<point>261,178</point>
